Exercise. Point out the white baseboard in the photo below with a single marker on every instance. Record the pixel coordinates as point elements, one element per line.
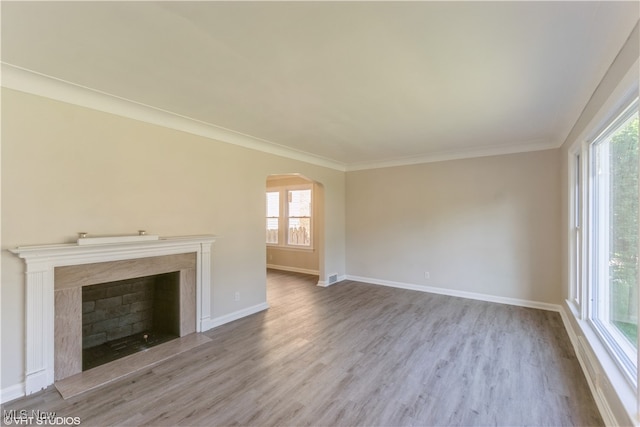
<point>456,293</point>
<point>293,269</point>
<point>221,320</point>
<point>12,392</point>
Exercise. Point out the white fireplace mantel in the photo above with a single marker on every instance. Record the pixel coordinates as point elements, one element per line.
<point>41,262</point>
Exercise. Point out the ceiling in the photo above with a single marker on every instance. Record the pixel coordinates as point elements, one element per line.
<point>355,83</point>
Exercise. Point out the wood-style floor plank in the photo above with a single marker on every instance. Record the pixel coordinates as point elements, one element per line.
<point>118,369</point>
<point>354,355</point>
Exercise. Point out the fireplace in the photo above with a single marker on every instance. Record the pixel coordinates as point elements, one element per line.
<point>58,275</point>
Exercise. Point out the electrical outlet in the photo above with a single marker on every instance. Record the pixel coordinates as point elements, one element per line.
<point>427,275</point>
<point>237,296</point>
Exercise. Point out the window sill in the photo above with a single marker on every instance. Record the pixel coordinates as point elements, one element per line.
<point>290,248</point>
<point>609,384</point>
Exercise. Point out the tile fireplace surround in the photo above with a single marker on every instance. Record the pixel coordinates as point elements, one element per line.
<point>56,273</point>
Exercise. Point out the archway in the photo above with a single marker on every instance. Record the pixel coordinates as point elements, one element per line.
<point>295,224</point>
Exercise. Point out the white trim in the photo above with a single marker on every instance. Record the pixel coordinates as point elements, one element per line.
<point>221,320</point>
<point>577,184</point>
<point>459,294</point>
<point>590,369</point>
<point>610,385</point>
<point>284,217</point>
<point>469,153</point>
<point>73,254</point>
<point>101,240</point>
<point>290,248</point>
<point>24,80</point>
<point>13,392</point>
<point>293,269</point>
<point>592,356</point>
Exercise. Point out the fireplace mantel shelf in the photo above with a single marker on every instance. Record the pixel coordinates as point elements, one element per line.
<point>70,252</point>
<point>41,262</point>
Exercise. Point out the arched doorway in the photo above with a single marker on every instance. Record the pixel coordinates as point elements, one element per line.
<point>295,224</point>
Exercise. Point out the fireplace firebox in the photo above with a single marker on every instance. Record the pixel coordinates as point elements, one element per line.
<point>123,317</point>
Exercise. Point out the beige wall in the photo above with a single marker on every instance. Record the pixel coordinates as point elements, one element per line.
<point>67,169</point>
<point>302,260</point>
<point>486,225</point>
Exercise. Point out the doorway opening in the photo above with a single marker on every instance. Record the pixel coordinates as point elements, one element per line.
<point>294,225</point>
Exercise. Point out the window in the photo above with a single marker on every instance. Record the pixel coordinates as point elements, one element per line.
<point>289,216</point>
<point>613,234</point>
<point>299,217</point>
<point>576,231</point>
<point>273,216</point>
<point>604,239</point>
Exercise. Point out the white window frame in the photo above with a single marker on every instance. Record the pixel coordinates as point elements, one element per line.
<point>577,218</point>
<point>582,237</point>
<point>604,373</point>
<point>615,343</point>
<point>277,218</point>
<point>283,223</point>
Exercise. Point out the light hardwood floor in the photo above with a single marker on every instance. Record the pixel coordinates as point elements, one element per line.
<point>355,355</point>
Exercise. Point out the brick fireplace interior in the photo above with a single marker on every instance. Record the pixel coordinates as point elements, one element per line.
<point>123,317</point>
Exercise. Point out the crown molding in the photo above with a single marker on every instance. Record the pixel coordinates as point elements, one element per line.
<point>486,151</point>
<point>24,80</point>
